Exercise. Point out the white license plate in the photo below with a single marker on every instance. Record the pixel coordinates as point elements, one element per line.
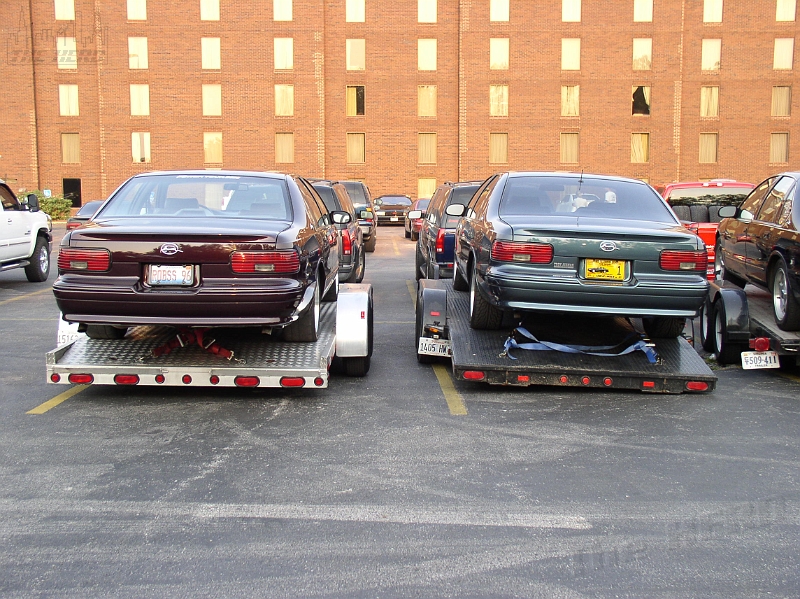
<point>434,347</point>
<point>760,359</point>
<point>182,275</point>
<point>394,219</point>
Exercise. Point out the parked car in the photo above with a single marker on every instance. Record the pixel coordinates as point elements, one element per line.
<point>759,242</point>
<point>412,225</point>
<point>592,244</point>
<point>437,234</point>
<point>392,208</point>
<point>202,249</point>
<point>352,256</point>
<point>83,215</point>
<point>697,206</point>
<point>25,235</point>
<point>362,201</point>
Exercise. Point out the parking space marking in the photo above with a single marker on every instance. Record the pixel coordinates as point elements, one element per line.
<point>791,377</point>
<point>27,295</point>
<point>396,249</point>
<point>58,399</point>
<point>412,290</point>
<point>451,396</point>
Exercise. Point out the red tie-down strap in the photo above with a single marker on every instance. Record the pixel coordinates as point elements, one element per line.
<point>190,337</point>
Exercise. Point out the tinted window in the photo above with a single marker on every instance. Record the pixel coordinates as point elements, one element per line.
<point>326,193</point>
<point>315,205</point>
<point>772,208</point>
<point>753,202</point>
<point>89,208</point>
<point>459,195</point>
<point>396,200</point>
<point>721,196</point>
<point>9,201</point>
<point>598,198</point>
<point>422,204</point>
<point>356,191</point>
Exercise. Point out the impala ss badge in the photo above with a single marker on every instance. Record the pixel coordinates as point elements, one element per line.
<point>608,246</point>
<point>170,249</point>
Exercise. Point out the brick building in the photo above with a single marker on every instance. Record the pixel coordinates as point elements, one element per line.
<point>402,94</point>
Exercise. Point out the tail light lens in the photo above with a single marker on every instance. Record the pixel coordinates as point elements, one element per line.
<point>684,261</point>
<point>72,225</point>
<point>440,242</point>
<point>286,262</point>
<point>347,243</point>
<point>531,253</point>
<point>78,259</point>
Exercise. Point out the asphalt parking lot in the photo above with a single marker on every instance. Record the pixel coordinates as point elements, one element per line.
<point>400,484</point>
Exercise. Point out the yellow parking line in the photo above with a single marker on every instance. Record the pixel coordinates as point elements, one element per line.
<point>27,295</point>
<point>412,290</point>
<point>791,377</point>
<point>396,249</point>
<point>451,396</point>
<point>52,403</point>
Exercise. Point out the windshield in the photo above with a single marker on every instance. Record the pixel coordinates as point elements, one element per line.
<point>591,197</point>
<point>722,196</point>
<point>193,196</point>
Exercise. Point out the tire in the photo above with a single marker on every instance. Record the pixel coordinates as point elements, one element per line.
<point>105,331</point>
<point>419,262</point>
<point>356,366</point>
<point>333,292</point>
<point>421,358</point>
<point>459,282</point>
<point>369,245</point>
<point>406,232</point>
<point>482,315</point>
<point>713,214</point>
<point>784,305</point>
<point>722,273</point>
<point>663,327</point>
<point>414,236</point>
<point>699,214</point>
<point>682,212</point>
<point>358,273</point>
<point>725,351</point>
<point>306,328</point>
<point>39,268</point>
<point>707,328</point>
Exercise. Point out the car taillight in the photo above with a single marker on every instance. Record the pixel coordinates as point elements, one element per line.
<point>440,242</point>
<point>512,251</point>
<point>71,226</point>
<point>77,259</point>
<point>265,262</point>
<point>347,243</point>
<point>678,260</point>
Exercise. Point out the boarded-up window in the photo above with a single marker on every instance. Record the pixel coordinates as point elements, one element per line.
<point>284,53</point>
<point>282,10</point>
<point>137,53</point>
<point>640,100</point>
<point>355,100</point>
<point>426,187</point>
<point>284,100</point>
<point>284,148</point>
<point>498,100</point>
<point>640,147</point>
<point>426,54</point>
<point>426,148</point>
<point>426,11</point>
<point>212,99</point>
<point>642,54</point>
<point>498,54</point>
<point>209,10</point>
<point>354,11</point>
<point>70,148</point>
<point>709,101</point>
<point>498,148</point>
<point>210,49</point>
<point>212,147</point>
<point>784,54</point>
<point>642,11</point>
<point>708,148</point>
<point>785,10</point>
<point>68,99</point>
<point>137,10</point>
<point>571,54</point>
<point>571,11</point>
<point>710,55</point>
<point>712,11</point>
<point>570,143</point>
<point>67,53</point>
<point>781,100</point>
<point>356,55</point>
<point>355,148</point>
<point>140,146</point>
<point>426,100</point>
<point>570,100</point>
<point>140,99</point>
<point>65,10</point>
<point>779,148</point>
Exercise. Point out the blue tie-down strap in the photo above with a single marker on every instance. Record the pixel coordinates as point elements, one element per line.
<point>632,343</point>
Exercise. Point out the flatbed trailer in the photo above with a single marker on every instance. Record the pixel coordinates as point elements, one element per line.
<point>735,320</point>
<point>442,328</point>
<point>159,356</point>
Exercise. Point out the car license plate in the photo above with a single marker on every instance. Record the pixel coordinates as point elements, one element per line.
<point>435,347</point>
<point>394,219</point>
<point>760,359</point>
<point>159,274</point>
<point>608,270</point>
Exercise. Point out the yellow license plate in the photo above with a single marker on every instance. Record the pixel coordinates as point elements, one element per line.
<point>606,270</point>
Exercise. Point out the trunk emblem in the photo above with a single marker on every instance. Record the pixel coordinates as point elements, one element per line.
<point>608,246</point>
<point>170,249</point>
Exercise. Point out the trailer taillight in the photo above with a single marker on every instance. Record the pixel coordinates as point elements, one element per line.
<point>246,381</point>
<point>760,344</point>
<point>513,251</point>
<point>126,379</point>
<point>286,262</point>
<point>83,259</point>
<point>697,386</point>
<point>474,375</point>
<point>292,381</point>
<point>81,379</point>
<point>682,260</point>
<point>440,241</point>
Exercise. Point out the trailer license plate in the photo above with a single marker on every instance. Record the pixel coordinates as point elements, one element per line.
<point>608,270</point>
<point>760,359</point>
<point>159,274</point>
<point>435,347</point>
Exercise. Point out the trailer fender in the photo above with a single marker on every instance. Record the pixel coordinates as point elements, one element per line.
<point>737,316</point>
<point>432,306</point>
<point>354,321</point>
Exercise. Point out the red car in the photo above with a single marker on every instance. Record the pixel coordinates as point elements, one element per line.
<point>697,205</point>
<point>413,225</point>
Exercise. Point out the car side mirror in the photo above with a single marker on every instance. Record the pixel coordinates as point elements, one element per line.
<point>341,217</point>
<point>455,210</point>
<point>32,202</point>
<point>727,211</point>
<point>413,214</point>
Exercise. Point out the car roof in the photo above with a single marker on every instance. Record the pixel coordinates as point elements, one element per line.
<point>218,174</point>
<point>572,175</point>
<point>712,183</point>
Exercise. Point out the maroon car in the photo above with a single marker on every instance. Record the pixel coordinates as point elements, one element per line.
<point>202,249</point>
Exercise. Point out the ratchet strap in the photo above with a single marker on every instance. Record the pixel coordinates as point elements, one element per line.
<point>631,343</point>
<point>188,337</point>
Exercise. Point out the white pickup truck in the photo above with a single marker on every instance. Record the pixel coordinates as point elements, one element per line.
<point>25,235</point>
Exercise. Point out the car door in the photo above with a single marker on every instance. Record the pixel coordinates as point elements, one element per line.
<point>471,228</point>
<point>763,231</point>
<point>15,230</point>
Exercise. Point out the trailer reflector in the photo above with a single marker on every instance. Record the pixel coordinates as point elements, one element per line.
<point>160,378</point>
<point>186,379</point>
<point>126,379</point>
<point>246,381</point>
<point>292,381</point>
<point>213,379</point>
<point>474,375</point>
<point>586,380</point>
<point>81,379</point>
<point>564,379</point>
<point>649,384</point>
<point>523,378</point>
<point>55,377</point>
<point>608,381</point>
<point>760,344</point>
<point>319,381</point>
<point>697,386</point>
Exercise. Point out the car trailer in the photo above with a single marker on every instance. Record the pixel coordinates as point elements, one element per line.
<point>572,350</point>
<point>738,326</point>
<point>235,357</point>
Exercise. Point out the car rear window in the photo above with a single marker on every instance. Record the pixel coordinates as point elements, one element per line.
<point>396,200</point>
<point>204,196</point>
<point>590,197</point>
<point>459,195</point>
<point>708,196</point>
<point>327,195</point>
<point>356,191</point>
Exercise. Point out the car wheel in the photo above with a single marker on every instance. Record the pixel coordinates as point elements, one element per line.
<point>707,327</point>
<point>105,331</point>
<point>414,235</point>
<point>369,245</point>
<point>358,366</point>
<point>333,291</point>
<point>663,327</point>
<point>784,304</point>
<point>419,261</point>
<point>406,232</point>
<point>482,314</point>
<point>306,328</point>
<point>725,351</point>
<point>722,273</point>
<point>39,268</point>
<point>459,282</point>
<point>358,272</point>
